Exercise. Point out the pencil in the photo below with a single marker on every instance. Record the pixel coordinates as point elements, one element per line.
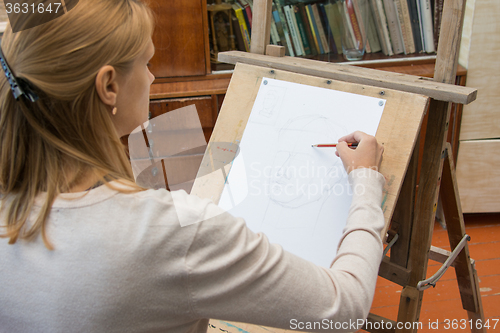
<point>328,145</point>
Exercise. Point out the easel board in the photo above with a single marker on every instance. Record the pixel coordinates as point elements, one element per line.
<point>398,129</point>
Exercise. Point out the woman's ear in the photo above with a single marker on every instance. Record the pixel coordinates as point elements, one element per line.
<point>107,85</point>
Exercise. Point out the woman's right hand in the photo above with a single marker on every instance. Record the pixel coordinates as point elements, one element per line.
<point>368,153</point>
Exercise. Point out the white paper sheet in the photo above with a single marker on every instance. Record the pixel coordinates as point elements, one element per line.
<point>297,195</point>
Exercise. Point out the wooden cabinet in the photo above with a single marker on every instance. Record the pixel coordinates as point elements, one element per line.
<point>179,38</point>
<point>181,65</point>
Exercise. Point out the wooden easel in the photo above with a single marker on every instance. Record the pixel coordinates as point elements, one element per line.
<point>410,215</point>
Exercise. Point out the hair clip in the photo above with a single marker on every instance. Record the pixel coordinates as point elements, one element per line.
<point>19,87</point>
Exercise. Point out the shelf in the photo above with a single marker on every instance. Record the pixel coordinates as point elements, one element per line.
<point>212,84</point>
<point>414,64</point>
<point>371,60</point>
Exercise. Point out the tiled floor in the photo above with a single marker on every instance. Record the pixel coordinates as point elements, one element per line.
<point>442,304</point>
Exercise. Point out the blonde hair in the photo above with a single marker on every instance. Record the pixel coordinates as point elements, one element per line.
<point>47,146</point>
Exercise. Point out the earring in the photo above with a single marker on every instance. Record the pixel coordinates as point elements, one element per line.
<point>115,110</point>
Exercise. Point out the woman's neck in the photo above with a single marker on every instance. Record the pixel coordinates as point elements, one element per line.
<point>84,181</point>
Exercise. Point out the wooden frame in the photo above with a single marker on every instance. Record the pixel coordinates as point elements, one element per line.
<point>399,141</point>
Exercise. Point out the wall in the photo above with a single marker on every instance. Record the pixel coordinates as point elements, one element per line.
<point>478,171</point>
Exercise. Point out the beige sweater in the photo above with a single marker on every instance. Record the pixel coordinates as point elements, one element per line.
<point>122,263</point>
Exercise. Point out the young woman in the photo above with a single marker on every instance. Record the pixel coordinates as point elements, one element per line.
<point>84,249</point>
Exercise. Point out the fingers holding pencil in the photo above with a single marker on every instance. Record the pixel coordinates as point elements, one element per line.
<point>368,153</point>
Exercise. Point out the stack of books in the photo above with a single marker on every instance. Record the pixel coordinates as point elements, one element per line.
<point>311,27</point>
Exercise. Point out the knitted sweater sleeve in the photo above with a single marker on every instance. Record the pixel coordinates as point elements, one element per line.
<point>237,275</point>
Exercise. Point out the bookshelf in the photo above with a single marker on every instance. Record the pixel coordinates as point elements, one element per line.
<point>296,32</point>
<point>184,64</point>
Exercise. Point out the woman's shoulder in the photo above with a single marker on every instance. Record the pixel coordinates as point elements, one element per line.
<point>188,208</point>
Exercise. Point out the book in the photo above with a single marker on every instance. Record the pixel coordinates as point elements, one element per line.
<point>438,15</point>
<point>250,2</point>
<point>381,24</point>
<point>335,21</point>
<point>373,39</point>
<point>294,30</point>
<point>302,30</point>
<point>275,37</point>
<point>247,12</point>
<point>238,11</point>
<point>426,23</point>
<point>240,44</point>
<point>394,27</point>
<point>415,25</point>
<point>245,8</point>
<point>307,26</point>
<point>321,30</point>
<point>326,26</point>
<point>314,30</point>
<point>286,32</point>
<point>279,28</point>
<point>296,26</point>
<point>405,23</point>
<point>420,25</point>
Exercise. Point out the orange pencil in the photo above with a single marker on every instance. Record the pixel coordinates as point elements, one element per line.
<point>328,145</point>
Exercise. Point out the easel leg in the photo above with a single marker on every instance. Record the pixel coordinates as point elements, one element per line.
<point>431,169</point>
<point>477,316</point>
<point>411,298</point>
<point>432,162</point>
<point>409,309</point>
<point>465,271</point>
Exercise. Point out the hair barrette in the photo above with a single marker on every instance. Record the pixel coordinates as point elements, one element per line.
<point>18,86</point>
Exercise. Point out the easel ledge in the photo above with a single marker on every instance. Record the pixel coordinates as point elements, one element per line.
<point>367,76</point>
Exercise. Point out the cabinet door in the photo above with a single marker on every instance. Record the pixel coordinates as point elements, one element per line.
<point>179,38</point>
<point>205,105</point>
<point>179,171</point>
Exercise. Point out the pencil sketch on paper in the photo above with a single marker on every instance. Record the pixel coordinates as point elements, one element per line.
<point>297,195</point>
<point>270,102</point>
<point>299,180</point>
<point>270,105</point>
